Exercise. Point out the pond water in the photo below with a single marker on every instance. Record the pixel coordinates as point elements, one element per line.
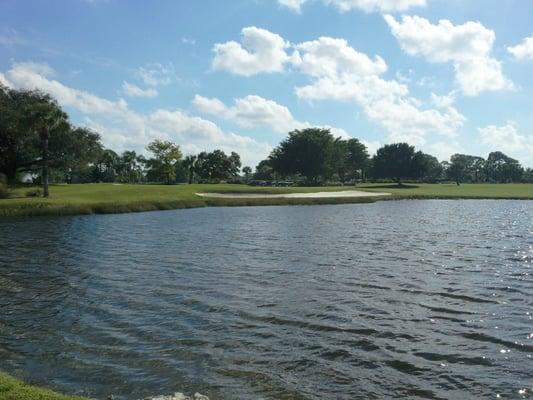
<point>412,299</point>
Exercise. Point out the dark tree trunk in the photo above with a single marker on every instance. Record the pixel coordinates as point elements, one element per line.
<point>44,138</point>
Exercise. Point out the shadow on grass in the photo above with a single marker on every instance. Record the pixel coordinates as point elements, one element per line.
<point>389,186</point>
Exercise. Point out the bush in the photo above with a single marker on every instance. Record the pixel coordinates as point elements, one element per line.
<point>4,191</point>
<point>34,193</point>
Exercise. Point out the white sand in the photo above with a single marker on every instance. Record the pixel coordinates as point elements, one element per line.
<point>315,195</point>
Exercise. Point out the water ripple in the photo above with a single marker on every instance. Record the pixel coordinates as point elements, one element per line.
<point>408,299</point>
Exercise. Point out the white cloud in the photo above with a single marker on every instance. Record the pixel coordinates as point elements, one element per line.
<point>524,50</point>
<point>364,5</point>
<point>372,146</point>
<point>334,57</point>
<point>256,112</point>
<point>252,112</point>
<point>444,101</point>
<point>337,72</point>
<point>341,73</point>
<point>135,91</point>
<point>122,128</point>
<point>295,5</point>
<point>156,74</point>
<point>467,46</point>
<point>208,105</point>
<point>376,5</point>
<point>444,150</point>
<point>261,51</point>
<point>507,139</point>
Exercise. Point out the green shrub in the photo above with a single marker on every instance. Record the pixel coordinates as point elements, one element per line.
<point>34,193</point>
<point>4,191</point>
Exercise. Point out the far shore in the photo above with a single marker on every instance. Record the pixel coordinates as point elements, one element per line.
<point>106,198</point>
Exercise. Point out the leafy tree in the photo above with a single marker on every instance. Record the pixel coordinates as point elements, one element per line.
<point>264,171</point>
<point>18,144</point>
<point>426,167</point>
<point>131,167</point>
<point>106,166</point>
<point>458,168</point>
<point>35,135</point>
<point>44,116</point>
<point>216,166</point>
<point>527,176</point>
<point>189,164</point>
<point>307,152</point>
<point>502,168</point>
<point>166,155</point>
<point>478,167</point>
<point>247,172</point>
<point>395,161</point>
<point>349,158</point>
<point>464,167</point>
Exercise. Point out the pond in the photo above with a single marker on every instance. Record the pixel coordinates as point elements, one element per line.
<point>412,299</point>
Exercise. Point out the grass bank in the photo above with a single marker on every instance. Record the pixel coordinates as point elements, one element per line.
<point>13,389</point>
<point>112,198</point>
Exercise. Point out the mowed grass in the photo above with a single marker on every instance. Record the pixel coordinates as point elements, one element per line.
<point>114,198</point>
<point>451,190</point>
<point>13,389</point>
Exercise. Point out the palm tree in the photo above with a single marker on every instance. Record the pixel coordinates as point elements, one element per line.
<point>190,165</point>
<point>44,117</point>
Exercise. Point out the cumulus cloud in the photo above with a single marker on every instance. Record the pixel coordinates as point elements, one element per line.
<point>339,72</point>
<point>443,101</point>
<point>524,50</point>
<point>260,51</point>
<point>334,57</point>
<point>507,139</point>
<point>467,46</point>
<point>132,90</point>
<point>364,5</point>
<point>256,112</point>
<point>252,112</point>
<point>443,150</point>
<point>122,128</point>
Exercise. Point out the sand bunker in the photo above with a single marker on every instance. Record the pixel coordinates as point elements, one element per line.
<point>315,195</point>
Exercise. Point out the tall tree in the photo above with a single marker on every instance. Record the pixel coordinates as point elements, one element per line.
<point>216,166</point>
<point>166,155</point>
<point>44,115</point>
<point>349,159</point>
<point>190,164</point>
<point>264,171</point>
<point>426,167</point>
<point>465,168</point>
<point>106,166</point>
<point>307,152</point>
<point>394,161</point>
<point>247,173</point>
<point>502,168</point>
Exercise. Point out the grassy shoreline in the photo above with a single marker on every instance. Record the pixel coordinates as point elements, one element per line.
<point>111,198</point>
<point>14,389</point>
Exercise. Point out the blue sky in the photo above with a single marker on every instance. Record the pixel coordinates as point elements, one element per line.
<point>445,75</point>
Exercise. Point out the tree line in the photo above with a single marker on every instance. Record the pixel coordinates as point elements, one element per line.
<point>315,156</point>
<point>38,140</point>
